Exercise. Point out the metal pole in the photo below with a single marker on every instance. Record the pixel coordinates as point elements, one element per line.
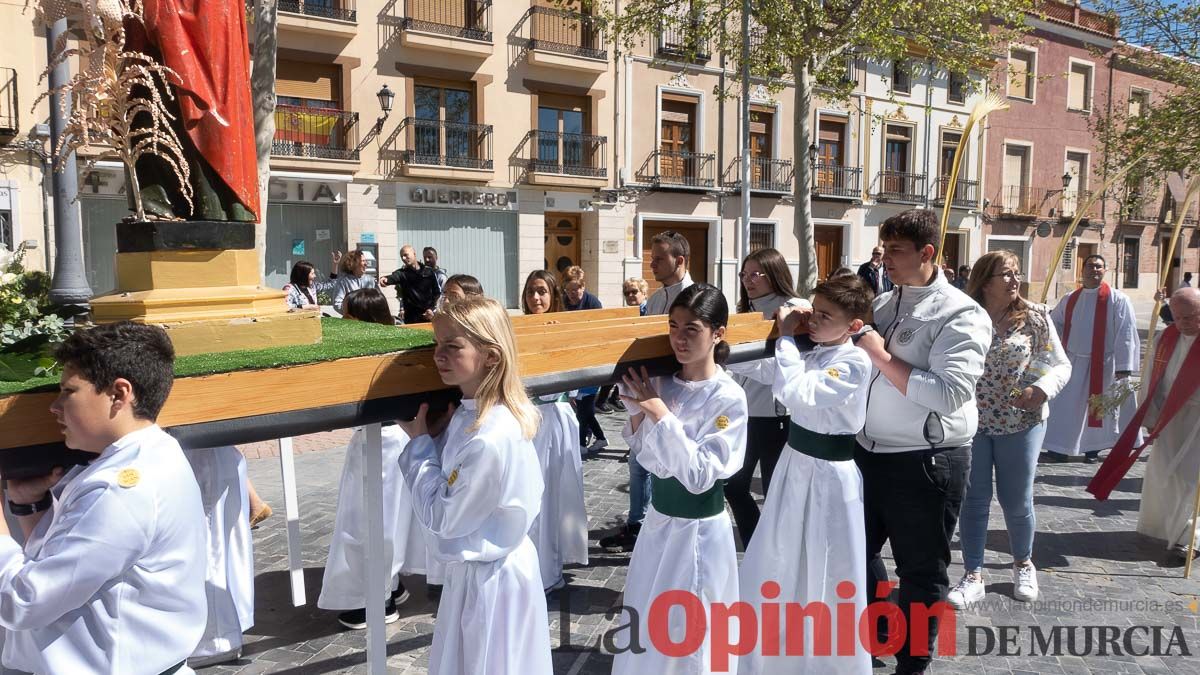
<point>744,224</point>
<point>69,285</point>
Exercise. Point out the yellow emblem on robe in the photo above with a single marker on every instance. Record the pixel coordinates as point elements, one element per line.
<point>833,372</point>
<point>128,478</point>
<point>722,423</point>
<point>453,477</point>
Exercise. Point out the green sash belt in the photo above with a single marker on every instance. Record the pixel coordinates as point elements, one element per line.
<point>670,498</point>
<point>822,446</point>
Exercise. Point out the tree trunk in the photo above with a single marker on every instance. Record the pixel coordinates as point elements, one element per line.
<point>802,139</point>
<point>262,86</point>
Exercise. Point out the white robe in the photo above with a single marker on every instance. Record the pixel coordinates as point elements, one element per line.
<point>1067,431</point>
<point>1169,487</point>
<point>811,536</point>
<point>112,578</point>
<point>343,585</point>
<point>479,500</point>
<point>560,532</point>
<point>685,554</point>
<point>229,582</point>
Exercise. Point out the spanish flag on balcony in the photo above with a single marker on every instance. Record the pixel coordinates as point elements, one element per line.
<point>314,126</point>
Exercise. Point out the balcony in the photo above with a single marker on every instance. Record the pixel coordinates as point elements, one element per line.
<point>1073,201</point>
<point>452,26</point>
<point>10,121</point>
<point>315,133</point>
<point>966,193</point>
<point>566,40</point>
<point>898,186</point>
<point>340,10</point>
<point>567,159</point>
<point>831,181</point>
<point>679,170</point>
<point>438,149</point>
<point>683,42</point>
<point>767,175</point>
<point>325,18</point>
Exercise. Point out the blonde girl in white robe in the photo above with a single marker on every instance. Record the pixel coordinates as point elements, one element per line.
<point>811,536</point>
<point>342,586</point>
<point>689,431</point>
<point>478,499</point>
<point>229,577</point>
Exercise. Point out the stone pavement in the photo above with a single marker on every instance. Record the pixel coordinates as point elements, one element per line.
<point>1095,571</point>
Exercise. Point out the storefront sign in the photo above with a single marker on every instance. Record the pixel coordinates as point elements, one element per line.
<point>456,197</point>
<point>306,191</point>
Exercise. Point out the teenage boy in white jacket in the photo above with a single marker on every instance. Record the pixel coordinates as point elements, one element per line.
<point>915,449</point>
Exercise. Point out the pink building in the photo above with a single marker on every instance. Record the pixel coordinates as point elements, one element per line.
<point>1043,160</point>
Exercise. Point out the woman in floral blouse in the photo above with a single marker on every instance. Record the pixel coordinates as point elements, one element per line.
<point>1026,366</point>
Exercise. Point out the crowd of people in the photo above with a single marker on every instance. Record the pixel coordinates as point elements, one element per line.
<point>894,405</point>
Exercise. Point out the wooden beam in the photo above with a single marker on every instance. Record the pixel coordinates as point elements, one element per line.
<point>573,317</point>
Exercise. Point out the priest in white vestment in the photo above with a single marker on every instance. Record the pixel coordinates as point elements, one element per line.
<point>1095,319</point>
<point>1169,487</point>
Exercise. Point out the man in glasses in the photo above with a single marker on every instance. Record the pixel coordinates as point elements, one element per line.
<point>1099,331</point>
<point>915,448</point>
<point>874,273</point>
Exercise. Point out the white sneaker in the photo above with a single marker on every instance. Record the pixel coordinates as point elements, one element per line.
<point>1025,585</point>
<point>597,445</point>
<point>970,589</point>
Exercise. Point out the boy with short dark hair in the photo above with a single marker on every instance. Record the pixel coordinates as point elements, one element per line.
<point>111,576</point>
<point>813,522</point>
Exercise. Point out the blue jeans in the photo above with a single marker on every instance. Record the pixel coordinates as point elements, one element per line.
<point>639,491</point>
<point>1014,459</point>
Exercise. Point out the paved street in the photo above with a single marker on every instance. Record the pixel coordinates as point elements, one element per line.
<point>1095,571</point>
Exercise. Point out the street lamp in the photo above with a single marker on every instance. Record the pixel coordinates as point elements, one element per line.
<point>812,155</point>
<point>1066,180</point>
<point>385,97</point>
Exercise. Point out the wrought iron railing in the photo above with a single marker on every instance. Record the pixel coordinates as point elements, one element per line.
<point>766,174</point>
<point>679,169</point>
<point>470,19</point>
<point>451,144</point>
<point>900,186</point>
<point>10,122</point>
<point>319,133</point>
<point>568,154</point>
<point>684,42</point>
<point>831,180</point>
<point>966,192</point>
<point>1019,201</point>
<point>1074,200</point>
<point>342,10</point>
<point>566,32</point>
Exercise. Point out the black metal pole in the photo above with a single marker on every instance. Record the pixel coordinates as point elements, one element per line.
<point>69,285</point>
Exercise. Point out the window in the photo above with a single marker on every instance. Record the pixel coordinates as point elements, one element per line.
<point>1079,87</point>
<point>1022,73</point>
<point>444,115</point>
<point>1077,166</point>
<point>1068,260</point>
<point>1017,197</point>
<point>677,136</point>
<point>762,235</point>
<point>897,153</point>
<point>1129,263</point>
<point>1139,101</point>
<point>561,124</point>
<point>831,156</point>
<point>901,76</point>
<point>956,88</point>
<point>6,230</point>
<point>949,148</point>
<point>1018,247</point>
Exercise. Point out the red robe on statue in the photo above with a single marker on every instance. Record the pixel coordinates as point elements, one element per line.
<point>205,43</point>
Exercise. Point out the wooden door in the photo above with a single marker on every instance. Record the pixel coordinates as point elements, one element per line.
<point>1082,251</point>
<point>760,146</point>
<point>562,242</point>
<point>830,154</point>
<point>951,251</point>
<point>697,236</point>
<point>1173,276</point>
<point>676,139</point>
<point>828,240</point>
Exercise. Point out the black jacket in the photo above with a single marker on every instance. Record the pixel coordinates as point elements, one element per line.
<point>417,290</point>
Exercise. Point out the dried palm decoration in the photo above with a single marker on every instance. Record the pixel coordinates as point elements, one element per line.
<point>113,87</point>
<point>986,106</point>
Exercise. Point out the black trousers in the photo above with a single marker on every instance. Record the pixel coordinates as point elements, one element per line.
<point>913,499</point>
<point>585,412</point>
<point>765,439</point>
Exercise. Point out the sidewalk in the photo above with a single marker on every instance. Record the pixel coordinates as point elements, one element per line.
<point>1094,571</point>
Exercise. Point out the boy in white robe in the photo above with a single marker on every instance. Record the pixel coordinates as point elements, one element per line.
<point>343,586</point>
<point>229,583</point>
<point>111,577</point>
<point>811,536</point>
<point>478,498</point>
<point>560,532</point>
<point>689,431</point>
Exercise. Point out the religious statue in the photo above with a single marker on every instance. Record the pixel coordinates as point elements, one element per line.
<point>165,85</point>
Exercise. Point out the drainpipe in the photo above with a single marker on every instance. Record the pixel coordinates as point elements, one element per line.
<point>721,170</point>
<point>928,129</point>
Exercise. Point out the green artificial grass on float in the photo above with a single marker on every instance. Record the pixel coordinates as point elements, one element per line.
<point>340,339</point>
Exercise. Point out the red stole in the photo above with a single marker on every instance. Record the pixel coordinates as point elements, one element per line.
<point>1123,455</point>
<point>1099,332</point>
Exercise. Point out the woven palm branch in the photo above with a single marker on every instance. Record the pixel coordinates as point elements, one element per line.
<point>988,105</point>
